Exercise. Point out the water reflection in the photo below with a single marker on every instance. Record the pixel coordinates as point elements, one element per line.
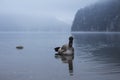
<point>67,59</point>
<point>102,49</point>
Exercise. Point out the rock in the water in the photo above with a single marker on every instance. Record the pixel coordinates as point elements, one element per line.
<point>19,47</point>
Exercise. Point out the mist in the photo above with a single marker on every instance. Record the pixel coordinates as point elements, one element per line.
<point>39,15</point>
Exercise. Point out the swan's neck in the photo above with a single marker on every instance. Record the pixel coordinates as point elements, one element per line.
<point>70,43</point>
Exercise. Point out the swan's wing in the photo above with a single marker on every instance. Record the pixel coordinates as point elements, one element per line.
<point>64,47</point>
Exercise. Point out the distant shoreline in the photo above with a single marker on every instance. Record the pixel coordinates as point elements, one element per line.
<point>92,32</point>
<point>33,32</point>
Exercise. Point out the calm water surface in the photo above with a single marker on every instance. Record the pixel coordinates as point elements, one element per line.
<point>97,56</point>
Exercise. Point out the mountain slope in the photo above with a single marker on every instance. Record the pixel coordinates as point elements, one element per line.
<point>102,16</point>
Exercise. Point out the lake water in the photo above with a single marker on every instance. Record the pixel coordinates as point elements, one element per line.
<point>97,56</point>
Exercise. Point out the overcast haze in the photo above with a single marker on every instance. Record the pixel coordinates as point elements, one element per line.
<point>62,10</point>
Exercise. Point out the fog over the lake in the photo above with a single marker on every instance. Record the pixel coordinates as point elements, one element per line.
<point>24,14</point>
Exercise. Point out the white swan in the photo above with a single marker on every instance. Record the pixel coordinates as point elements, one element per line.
<point>66,49</point>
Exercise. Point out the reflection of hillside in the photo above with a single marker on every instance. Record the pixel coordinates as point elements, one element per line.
<point>103,47</point>
<point>108,55</point>
<point>96,39</point>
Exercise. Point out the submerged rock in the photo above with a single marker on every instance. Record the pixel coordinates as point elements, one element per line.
<point>19,47</point>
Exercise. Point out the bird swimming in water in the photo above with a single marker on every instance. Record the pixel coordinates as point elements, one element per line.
<point>66,49</point>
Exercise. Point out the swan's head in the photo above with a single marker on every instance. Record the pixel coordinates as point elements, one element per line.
<point>71,38</point>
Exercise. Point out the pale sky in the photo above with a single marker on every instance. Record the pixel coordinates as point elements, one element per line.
<point>63,10</point>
